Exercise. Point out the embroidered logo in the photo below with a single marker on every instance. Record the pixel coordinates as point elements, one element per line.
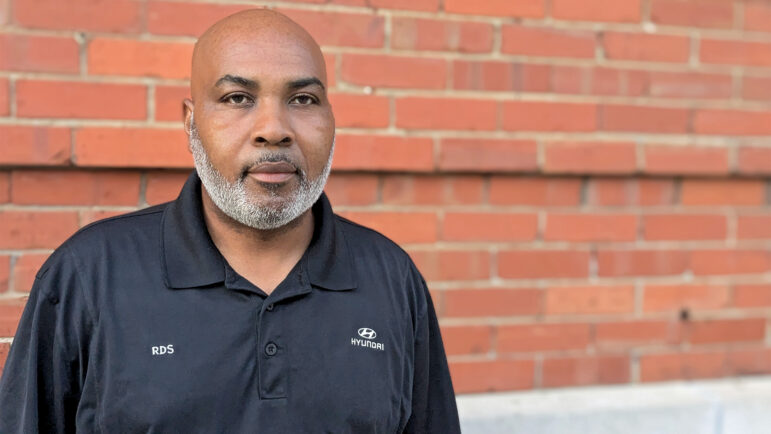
<point>367,333</point>
<point>162,349</point>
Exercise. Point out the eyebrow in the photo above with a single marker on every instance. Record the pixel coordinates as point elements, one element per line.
<point>252,84</point>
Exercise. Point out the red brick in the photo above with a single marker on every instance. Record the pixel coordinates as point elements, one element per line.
<point>547,42</point>
<point>683,227</point>
<point>5,18</point>
<point>752,295</point>
<point>164,186</point>
<point>31,187</point>
<point>488,155</point>
<point>734,192</point>
<point>693,13</point>
<point>5,99</point>
<point>366,152</point>
<point>629,192</point>
<point>727,330</point>
<point>390,71</point>
<point>535,191</point>
<point>38,146</point>
<point>590,227</point>
<point>627,334</point>
<point>597,10</point>
<point>341,29</point>
<point>623,263</point>
<point>756,88</point>
<point>360,111</point>
<point>35,230</point>
<point>352,189</point>
<point>535,264</point>
<point>10,313</point>
<point>25,269</point>
<point>589,300</point>
<point>29,53</point>
<point>687,85</point>
<point>735,52</point>
<point>751,227</point>
<point>330,61</point>
<point>421,190</point>
<point>437,35</point>
<point>119,16</point>
<point>646,47</point>
<point>723,262</point>
<point>131,147</point>
<point>750,361</point>
<point>549,116</point>
<point>686,160</point>
<point>5,272</point>
<point>465,226</point>
<point>139,58</point>
<point>585,370</point>
<point>644,119</point>
<point>682,366</point>
<point>492,375</point>
<point>5,347</point>
<point>543,337</point>
<point>501,76</point>
<point>755,160</point>
<point>401,227</point>
<point>757,16</point>
<point>492,302</point>
<point>168,102</point>
<point>733,122</point>
<point>498,8</point>
<point>90,215</point>
<point>188,19</point>
<point>72,99</point>
<point>673,298</point>
<point>5,187</point>
<point>452,264</point>
<point>446,113</point>
<point>590,157</point>
<point>418,5</point>
<point>466,339</point>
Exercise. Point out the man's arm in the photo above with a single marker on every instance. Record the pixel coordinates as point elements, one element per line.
<point>43,375</point>
<point>433,398</point>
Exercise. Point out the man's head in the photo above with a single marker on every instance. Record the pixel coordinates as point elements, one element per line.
<point>260,125</point>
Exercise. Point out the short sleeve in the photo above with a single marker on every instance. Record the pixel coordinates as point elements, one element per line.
<point>46,366</point>
<point>433,398</point>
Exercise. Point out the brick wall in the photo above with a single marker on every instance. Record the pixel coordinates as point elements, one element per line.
<point>584,183</point>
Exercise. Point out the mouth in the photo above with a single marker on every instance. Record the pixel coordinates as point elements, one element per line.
<point>273,173</point>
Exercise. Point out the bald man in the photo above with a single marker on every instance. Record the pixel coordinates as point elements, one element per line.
<point>246,305</point>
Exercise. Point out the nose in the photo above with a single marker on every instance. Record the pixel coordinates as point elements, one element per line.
<point>272,126</point>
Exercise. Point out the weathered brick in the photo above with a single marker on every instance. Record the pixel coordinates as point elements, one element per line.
<point>417,5</point>
<point>585,370</point>
<point>673,298</point>
<point>628,334</point>
<point>488,155</point>
<point>686,160</point>
<point>390,71</point>
<point>5,272</point>
<point>423,190</point>
<point>10,313</point>
<point>621,263</point>
<point>735,52</point>
<point>644,119</point>
<point>502,76</point>
<point>492,302</point>
<point>38,146</point>
<point>352,189</point>
<point>25,269</point>
<point>732,122</point>
<point>597,10</point>
<point>755,160</point>
<point>369,152</point>
<point>465,226</point>
<point>459,340</point>
<point>725,262</point>
<point>402,227</point>
<point>751,227</point>
<point>73,99</point>
<point>735,192</point>
<point>535,191</point>
<point>630,192</point>
<point>590,157</point>
<point>35,230</point>
<point>646,47</point>
<point>163,186</point>
<point>683,227</point>
<point>693,13</point>
<point>32,187</point>
<point>168,102</point>
<point>446,113</point>
<point>5,98</point>
<point>727,330</point>
<point>535,264</point>
<point>28,53</point>
<point>756,88</point>
<point>589,300</point>
<point>543,337</point>
<point>119,16</point>
<point>547,42</point>
<point>757,16</point>
<point>360,111</point>
<point>131,147</point>
<point>452,264</point>
<point>341,29</point>
<point>758,295</point>
<point>438,35</point>
<point>506,8</point>
<point>590,227</point>
<point>107,56</point>
<point>492,375</point>
<point>549,116</point>
<point>682,366</point>
<point>188,19</point>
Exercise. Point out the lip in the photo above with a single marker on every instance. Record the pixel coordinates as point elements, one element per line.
<point>273,172</point>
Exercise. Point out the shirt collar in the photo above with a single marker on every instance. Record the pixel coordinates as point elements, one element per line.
<point>192,260</point>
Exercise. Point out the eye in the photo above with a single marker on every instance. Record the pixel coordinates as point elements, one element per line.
<point>237,99</point>
<point>303,99</point>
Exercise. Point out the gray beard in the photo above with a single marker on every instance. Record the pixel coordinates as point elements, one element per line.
<point>232,197</point>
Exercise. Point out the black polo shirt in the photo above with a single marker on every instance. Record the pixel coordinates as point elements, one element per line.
<point>137,324</point>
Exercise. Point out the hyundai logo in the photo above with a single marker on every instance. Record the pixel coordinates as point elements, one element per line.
<point>367,333</point>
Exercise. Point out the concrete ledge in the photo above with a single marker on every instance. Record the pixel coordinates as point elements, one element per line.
<point>732,406</point>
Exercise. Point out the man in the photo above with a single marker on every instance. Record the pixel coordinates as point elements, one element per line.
<point>245,305</point>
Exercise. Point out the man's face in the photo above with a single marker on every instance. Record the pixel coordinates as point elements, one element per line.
<point>261,129</point>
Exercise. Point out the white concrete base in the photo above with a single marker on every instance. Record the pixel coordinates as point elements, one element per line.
<point>731,406</point>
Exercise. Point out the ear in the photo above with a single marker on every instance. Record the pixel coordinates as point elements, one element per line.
<point>187,113</point>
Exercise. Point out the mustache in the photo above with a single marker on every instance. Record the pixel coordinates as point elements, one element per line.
<point>272,157</point>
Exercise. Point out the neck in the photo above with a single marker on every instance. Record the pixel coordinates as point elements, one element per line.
<point>263,257</point>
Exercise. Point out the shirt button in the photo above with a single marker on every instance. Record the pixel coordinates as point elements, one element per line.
<point>269,307</point>
<point>271,349</point>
